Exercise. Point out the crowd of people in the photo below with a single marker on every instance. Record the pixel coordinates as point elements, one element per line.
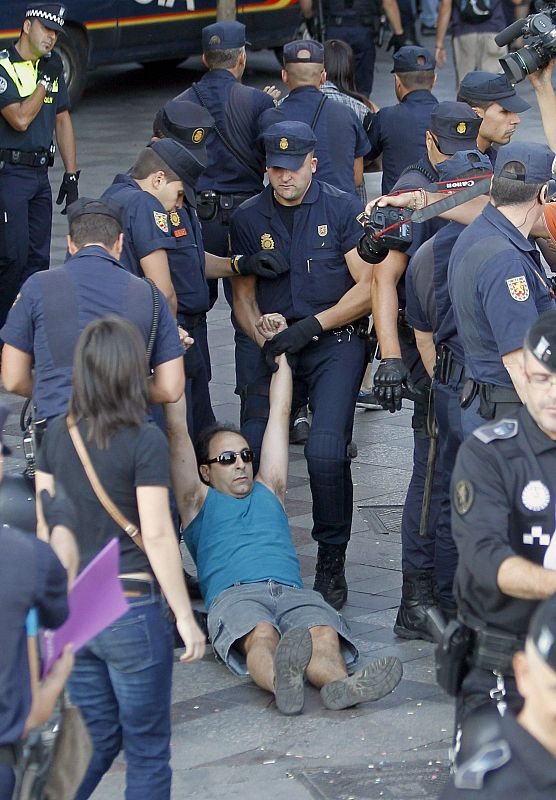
<point>111,349</point>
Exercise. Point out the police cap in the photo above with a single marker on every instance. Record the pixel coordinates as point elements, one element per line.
<point>303,51</point>
<point>462,162</point>
<point>455,126</point>
<point>287,144</point>
<point>89,205</point>
<point>411,58</point>
<point>4,412</point>
<point>50,14</point>
<point>186,122</point>
<point>535,162</point>
<point>541,339</point>
<point>185,164</point>
<point>227,35</point>
<point>480,87</point>
<point>542,628</point>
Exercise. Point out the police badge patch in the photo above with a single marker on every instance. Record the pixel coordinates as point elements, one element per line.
<point>3,85</point>
<point>322,230</point>
<point>267,242</point>
<point>535,496</point>
<point>464,496</point>
<point>161,220</point>
<point>174,218</point>
<point>518,288</point>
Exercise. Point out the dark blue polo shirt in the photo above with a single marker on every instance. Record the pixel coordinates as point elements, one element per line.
<point>145,222</point>
<point>187,262</point>
<point>38,135</point>
<point>495,298</point>
<point>324,230</point>
<point>94,286</point>
<point>237,112</point>
<point>398,134</point>
<point>445,331</point>
<point>340,136</point>
<point>420,303</point>
<point>32,577</point>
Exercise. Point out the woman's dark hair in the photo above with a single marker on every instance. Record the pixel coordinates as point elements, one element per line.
<point>340,68</point>
<point>202,445</point>
<point>109,378</point>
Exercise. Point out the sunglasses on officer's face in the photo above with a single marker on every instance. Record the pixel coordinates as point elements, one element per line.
<point>228,457</point>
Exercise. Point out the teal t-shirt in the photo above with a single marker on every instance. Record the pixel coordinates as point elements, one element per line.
<point>241,541</point>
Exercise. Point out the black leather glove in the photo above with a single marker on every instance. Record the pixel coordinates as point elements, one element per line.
<point>397,40</point>
<point>291,341</point>
<point>50,67</point>
<point>265,264</point>
<point>58,510</point>
<point>69,190</point>
<point>391,382</point>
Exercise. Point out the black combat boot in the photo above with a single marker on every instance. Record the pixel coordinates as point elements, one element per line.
<point>417,596</point>
<point>330,579</point>
<point>299,426</point>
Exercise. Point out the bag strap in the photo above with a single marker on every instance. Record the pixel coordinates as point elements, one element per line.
<point>236,154</point>
<point>315,119</point>
<point>111,509</point>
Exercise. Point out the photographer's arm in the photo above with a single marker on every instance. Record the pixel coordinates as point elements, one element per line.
<point>384,301</point>
<point>541,81</point>
<point>418,199</point>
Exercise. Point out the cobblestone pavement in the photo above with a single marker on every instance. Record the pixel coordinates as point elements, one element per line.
<point>229,741</point>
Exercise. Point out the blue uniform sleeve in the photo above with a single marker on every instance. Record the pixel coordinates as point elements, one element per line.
<point>504,284</point>
<point>18,328</point>
<point>414,312</point>
<point>351,229</point>
<point>362,144</point>
<point>167,345</point>
<point>241,240</point>
<point>150,226</point>
<point>375,136</point>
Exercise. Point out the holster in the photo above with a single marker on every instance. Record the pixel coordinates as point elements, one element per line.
<point>468,393</point>
<point>452,656</point>
<point>444,360</point>
<point>491,395</point>
<point>494,649</point>
<point>207,205</point>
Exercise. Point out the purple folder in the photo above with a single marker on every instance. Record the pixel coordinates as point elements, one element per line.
<point>96,601</point>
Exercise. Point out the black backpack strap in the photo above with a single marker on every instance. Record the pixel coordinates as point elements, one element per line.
<point>431,176</point>
<point>323,99</point>
<point>236,154</point>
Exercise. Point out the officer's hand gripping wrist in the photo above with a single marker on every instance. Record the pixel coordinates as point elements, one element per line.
<point>58,509</point>
<point>69,190</point>
<point>391,379</point>
<point>265,264</point>
<point>293,339</point>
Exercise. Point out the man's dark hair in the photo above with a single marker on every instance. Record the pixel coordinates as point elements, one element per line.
<point>509,191</point>
<point>90,228</point>
<point>421,79</point>
<point>482,104</point>
<point>223,59</point>
<point>148,162</point>
<point>109,378</point>
<point>202,445</point>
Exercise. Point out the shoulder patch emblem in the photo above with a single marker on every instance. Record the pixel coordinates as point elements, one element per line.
<point>267,242</point>
<point>322,230</point>
<point>518,288</point>
<point>3,85</point>
<point>464,496</point>
<point>161,220</point>
<point>503,429</point>
<point>535,496</point>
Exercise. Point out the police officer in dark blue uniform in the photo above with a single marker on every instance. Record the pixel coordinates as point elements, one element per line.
<point>504,502</point>
<point>453,127</point>
<point>53,307</point>
<point>33,103</point>
<point>428,311</point>
<point>325,300</point>
<point>497,284</point>
<point>341,140</point>
<point>398,132</point>
<point>514,756</point>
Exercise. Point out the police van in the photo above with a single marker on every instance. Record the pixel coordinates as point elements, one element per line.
<point>101,32</point>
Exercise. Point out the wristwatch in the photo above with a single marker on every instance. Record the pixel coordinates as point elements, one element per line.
<point>48,86</point>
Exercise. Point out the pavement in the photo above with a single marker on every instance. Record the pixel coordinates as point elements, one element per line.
<point>228,739</point>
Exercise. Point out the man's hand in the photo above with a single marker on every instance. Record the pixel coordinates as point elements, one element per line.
<point>270,324</point>
<point>392,381</point>
<point>397,40</point>
<point>265,264</point>
<point>542,78</point>
<point>185,339</point>
<point>273,92</point>
<point>69,190</point>
<point>193,639</point>
<point>50,67</point>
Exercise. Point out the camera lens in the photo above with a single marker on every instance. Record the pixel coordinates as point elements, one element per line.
<point>523,62</point>
<point>371,250</point>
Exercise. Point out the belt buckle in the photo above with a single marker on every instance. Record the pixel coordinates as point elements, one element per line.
<point>16,155</point>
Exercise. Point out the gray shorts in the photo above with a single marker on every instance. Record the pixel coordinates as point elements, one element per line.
<point>237,610</point>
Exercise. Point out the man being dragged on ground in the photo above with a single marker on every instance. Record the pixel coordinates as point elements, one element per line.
<point>261,620</point>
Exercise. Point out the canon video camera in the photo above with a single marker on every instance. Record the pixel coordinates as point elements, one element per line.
<point>385,229</point>
<point>539,37</point>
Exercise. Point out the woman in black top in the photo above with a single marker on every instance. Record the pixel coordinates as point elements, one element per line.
<point>122,678</point>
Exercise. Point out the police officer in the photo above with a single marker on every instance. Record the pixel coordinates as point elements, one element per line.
<point>325,300</point>
<point>503,499</point>
<point>53,308</point>
<point>497,103</point>
<point>190,265</point>
<point>341,140</point>
<point>515,755</point>
<point>355,22</point>
<point>497,284</point>
<point>398,132</point>
<point>33,103</point>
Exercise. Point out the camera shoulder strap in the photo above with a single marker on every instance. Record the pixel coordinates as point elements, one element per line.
<point>452,201</point>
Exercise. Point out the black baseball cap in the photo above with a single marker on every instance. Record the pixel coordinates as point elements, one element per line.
<point>50,14</point>
<point>187,165</point>
<point>188,123</point>
<point>456,127</point>
<point>287,144</point>
<point>482,86</point>
<point>89,205</point>
<point>228,35</point>
<point>541,339</point>
<point>536,159</point>
<point>463,161</point>
<point>411,58</point>
<point>303,51</point>
<point>4,413</point>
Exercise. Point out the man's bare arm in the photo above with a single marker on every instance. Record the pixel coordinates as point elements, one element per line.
<point>246,308</point>
<point>156,267</point>
<point>356,302</point>
<point>546,98</point>
<point>518,577</point>
<point>358,171</point>
<point>65,139</point>
<point>20,115</point>
<point>427,349</point>
<point>167,383</point>
<point>384,298</point>
<point>442,23</point>
<point>273,469</point>
<point>190,491</point>
<point>17,372</point>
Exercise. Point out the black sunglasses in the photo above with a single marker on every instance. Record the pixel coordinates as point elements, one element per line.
<point>228,457</point>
